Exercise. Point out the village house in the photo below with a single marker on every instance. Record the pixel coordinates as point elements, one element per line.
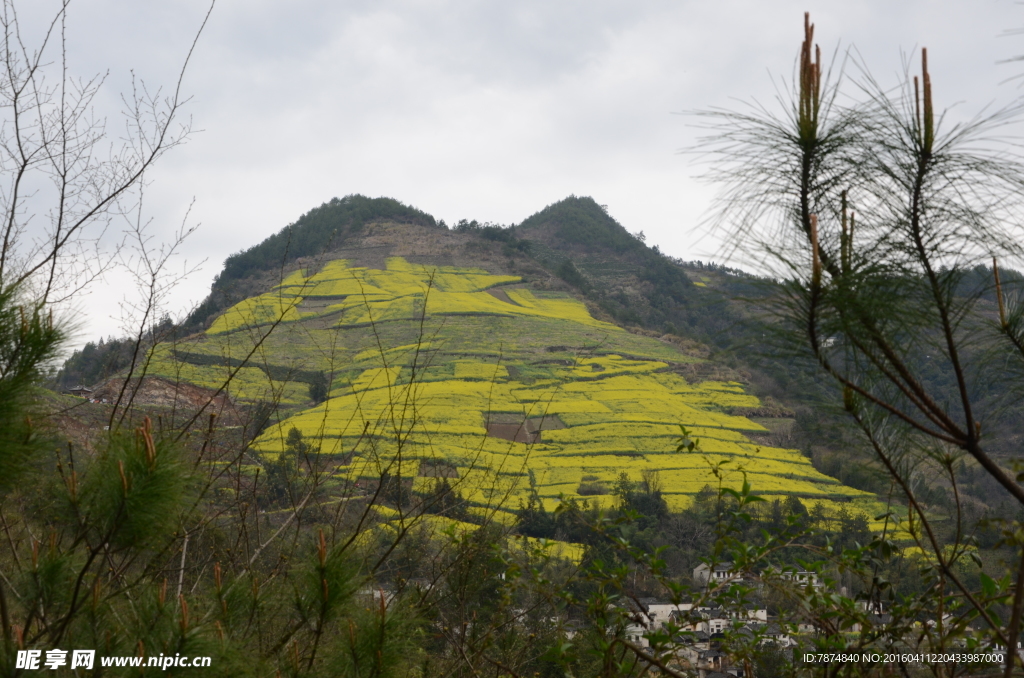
<point>706,575</point>
<point>712,620</point>
<point>804,578</point>
<point>650,614</point>
<point>659,612</point>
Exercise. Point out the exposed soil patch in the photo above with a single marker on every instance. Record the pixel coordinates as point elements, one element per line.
<point>516,428</point>
<point>501,295</point>
<point>369,256</point>
<point>158,392</point>
<point>318,303</point>
<point>517,433</point>
<point>549,422</point>
<point>708,371</point>
<point>80,422</point>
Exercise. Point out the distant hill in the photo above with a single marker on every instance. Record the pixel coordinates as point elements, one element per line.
<point>632,282</point>
<point>317,231</point>
<point>571,248</point>
<point>504,380</point>
<point>580,223</point>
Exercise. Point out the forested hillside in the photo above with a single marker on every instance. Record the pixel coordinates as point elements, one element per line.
<point>462,406</point>
<point>713,312</point>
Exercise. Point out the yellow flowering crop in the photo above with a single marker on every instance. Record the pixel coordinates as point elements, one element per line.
<point>489,367</point>
<point>262,310</point>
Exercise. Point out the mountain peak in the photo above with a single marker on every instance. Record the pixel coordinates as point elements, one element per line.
<point>581,222</point>
<point>318,230</point>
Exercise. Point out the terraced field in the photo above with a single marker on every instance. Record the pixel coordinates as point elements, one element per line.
<point>514,390</point>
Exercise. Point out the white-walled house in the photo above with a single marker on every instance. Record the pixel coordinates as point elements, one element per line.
<point>707,575</point>
<point>804,578</point>
<point>659,612</point>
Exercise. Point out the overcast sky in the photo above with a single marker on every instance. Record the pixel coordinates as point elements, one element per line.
<point>482,110</point>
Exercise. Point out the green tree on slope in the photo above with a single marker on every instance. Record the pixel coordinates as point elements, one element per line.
<point>878,214</point>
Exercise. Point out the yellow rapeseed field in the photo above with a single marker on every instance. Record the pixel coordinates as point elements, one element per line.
<point>590,398</point>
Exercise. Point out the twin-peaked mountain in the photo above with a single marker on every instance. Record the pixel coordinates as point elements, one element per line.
<point>492,355</point>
